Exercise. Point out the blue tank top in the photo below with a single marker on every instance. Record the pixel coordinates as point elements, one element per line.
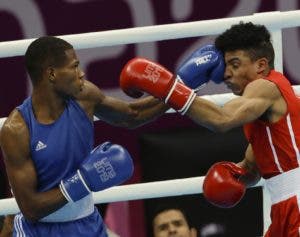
<point>59,148</point>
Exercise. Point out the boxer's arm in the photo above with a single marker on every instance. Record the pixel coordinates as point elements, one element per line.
<point>118,112</point>
<point>258,97</point>
<point>14,140</point>
<point>249,164</point>
<point>7,228</point>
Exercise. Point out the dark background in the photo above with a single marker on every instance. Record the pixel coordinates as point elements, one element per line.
<point>189,152</point>
<point>172,146</point>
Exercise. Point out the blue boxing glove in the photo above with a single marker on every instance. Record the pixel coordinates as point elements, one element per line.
<point>205,64</point>
<point>106,166</point>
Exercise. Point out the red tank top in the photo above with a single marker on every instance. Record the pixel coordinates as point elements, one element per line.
<point>276,145</point>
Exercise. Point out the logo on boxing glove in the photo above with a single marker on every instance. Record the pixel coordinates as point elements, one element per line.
<point>105,170</point>
<point>203,59</point>
<point>74,179</point>
<point>152,72</point>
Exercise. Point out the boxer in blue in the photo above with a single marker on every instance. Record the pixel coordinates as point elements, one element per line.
<point>47,143</point>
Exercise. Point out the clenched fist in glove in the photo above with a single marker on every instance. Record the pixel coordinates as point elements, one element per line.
<point>222,186</point>
<point>142,75</point>
<point>203,65</point>
<point>107,165</point>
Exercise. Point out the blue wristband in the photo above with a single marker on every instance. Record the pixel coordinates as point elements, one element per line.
<point>74,188</point>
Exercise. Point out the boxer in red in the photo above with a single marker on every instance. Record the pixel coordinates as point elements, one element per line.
<point>266,106</point>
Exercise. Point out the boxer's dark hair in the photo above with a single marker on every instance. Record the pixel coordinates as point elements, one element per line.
<point>254,39</point>
<point>44,52</point>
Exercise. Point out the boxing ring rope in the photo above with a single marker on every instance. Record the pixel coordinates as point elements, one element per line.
<point>175,187</point>
<point>275,21</point>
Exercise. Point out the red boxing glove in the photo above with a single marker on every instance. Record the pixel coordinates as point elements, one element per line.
<point>142,75</point>
<point>222,186</point>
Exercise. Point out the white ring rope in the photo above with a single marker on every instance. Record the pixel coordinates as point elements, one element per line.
<point>273,20</point>
<point>175,187</point>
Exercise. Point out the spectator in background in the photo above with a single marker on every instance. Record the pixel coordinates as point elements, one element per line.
<point>172,221</point>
